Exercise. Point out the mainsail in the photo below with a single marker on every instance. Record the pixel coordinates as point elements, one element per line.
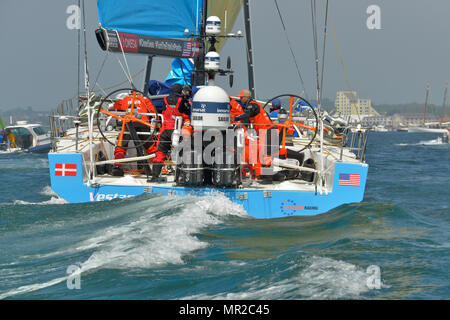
<point>156,27</point>
<point>150,26</point>
<point>155,18</point>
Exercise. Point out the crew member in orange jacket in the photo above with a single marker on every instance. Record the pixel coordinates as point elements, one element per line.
<point>175,105</point>
<point>253,113</point>
<point>143,105</point>
<point>258,117</point>
<point>236,110</point>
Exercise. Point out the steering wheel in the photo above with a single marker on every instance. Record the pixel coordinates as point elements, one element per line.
<point>105,115</point>
<point>309,114</point>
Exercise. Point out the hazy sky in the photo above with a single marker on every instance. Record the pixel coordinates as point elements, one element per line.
<point>393,64</point>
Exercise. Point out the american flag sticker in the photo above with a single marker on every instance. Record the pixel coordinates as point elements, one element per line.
<point>349,179</point>
<point>65,170</point>
<point>190,49</point>
<point>187,49</point>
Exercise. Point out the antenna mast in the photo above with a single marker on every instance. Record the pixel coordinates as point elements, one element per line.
<point>444,102</point>
<point>426,103</point>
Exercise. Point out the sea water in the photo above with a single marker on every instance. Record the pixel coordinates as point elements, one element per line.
<point>393,245</point>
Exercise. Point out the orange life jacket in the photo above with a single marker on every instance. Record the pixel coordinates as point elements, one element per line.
<point>236,109</point>
<point>252,153</point>
<point>142,104</point>
<point>261,120</point>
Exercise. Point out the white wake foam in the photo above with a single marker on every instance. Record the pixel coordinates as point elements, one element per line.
<point>322,278</point>
<point>46,191</point>
<point>437,141</point>
<point>53,200</point>
<point>32,287</point>
<point>152,241</point>
<point>327,278</point>
<point>152,238</point>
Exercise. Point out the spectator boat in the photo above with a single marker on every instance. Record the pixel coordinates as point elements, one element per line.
<point>25,137</point>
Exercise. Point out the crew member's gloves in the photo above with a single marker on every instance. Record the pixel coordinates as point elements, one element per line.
<point>186,129</point>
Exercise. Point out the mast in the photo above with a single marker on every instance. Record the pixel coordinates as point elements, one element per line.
<point>426,103</point>
<point>199,62</point>
<point>248,36</point>
<point>89,108</point>
<point>444,102</point>
<point>78,60</point>
<point>316,51</point>
<point>318,87</point>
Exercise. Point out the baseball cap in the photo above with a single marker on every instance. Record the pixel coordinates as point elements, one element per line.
<point>245,93</point>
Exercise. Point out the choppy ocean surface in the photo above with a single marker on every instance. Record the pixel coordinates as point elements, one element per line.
<point>393,245</point>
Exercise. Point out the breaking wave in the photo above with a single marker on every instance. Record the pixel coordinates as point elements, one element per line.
<point>161,234</point>
<point>313,277</point>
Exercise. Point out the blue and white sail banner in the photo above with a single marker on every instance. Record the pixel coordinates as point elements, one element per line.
<point>155,18</point>
<point>116,41</point>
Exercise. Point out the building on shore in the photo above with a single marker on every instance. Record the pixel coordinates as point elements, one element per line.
<point>348,105</point>
<point>397,121</point>
<point>355,110</point>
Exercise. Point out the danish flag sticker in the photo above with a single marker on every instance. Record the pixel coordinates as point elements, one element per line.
<point>65,170</point>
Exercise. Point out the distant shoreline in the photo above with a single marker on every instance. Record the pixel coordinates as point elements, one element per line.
<point>28,113</point>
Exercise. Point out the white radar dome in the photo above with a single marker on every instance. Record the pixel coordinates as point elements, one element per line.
<point>211,108</point>
<point>213,26</point>
<point>212,61</point>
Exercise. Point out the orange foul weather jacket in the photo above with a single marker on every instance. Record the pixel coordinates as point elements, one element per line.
<point>236,109</point>
<point>255,155</point>
<point>255,114</point>
<point>142,104</point>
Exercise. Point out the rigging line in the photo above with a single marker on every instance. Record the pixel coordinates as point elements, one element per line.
<point>347,80</point>
<point>323,49</point>
<point>292,52</point>
<point>125,59</point>
<point>116,85</point>
<point>101,89</point>
<point>79,52</point>
<point>195,14</point>
<point>101,68</point>
<point>111,87</point>
<point>86,71</point>
<point>316,50</point>
<point>125,72</point>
